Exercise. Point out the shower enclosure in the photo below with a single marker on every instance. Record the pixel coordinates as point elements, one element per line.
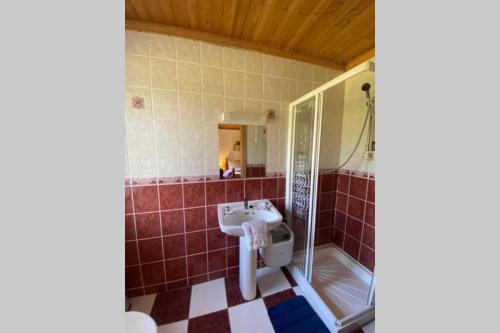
<point>329,127</point>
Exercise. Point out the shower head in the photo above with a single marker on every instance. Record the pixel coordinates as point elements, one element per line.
<point>366,88</point>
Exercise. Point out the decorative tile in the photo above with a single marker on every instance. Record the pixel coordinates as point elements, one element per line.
<point>171,306</point>
<point>250,317</point>
<point>271,280</point>
<point>212,322</point>
<point>207,297</point>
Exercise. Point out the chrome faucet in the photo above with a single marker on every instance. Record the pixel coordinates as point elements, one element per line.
<point>245,203</point>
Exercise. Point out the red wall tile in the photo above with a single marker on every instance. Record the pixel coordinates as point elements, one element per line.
<point>150,250</point>
<point>196,242</point>
<point>195,219</point>
<point>351,246</point>
<point>172,222</point>
<point>176,270</point>
<point>148,225</point>
<point>269,188</point>
<point>128,201</point>
<point>216,260</point>
<point>326,182</point>
<point>197,264</point>
<point>371,191</point>
<point>367,258</point>
<point>234,190</point>
<point>129,227</point>
<point>194,194</point>
<point>131,256</point>
<point>354,228</point>
<point>368,236</point>
<point>153,273</point>
<point>370,214</point>
<point>281,187</point>
<point>358,186</point>
<point>145,198</point>
<point>216,192</point>
<point>170,196</point>
<point>253,189</point>
<point>132,277</point>
<point>216,239</point>
<point>356,208</point>
<point>212,219</point>
<point>343,184</point>
<point>174,246</point>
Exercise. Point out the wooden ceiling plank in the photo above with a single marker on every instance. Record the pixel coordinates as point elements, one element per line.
<point>205,15</point>
<point>266,9</point>
<point>230,7</point>
<point>217,17</point>
<point>252,16</point>
<point>192,12</point>
<point>180,13</point>
<point>226,41</point>
<point>309,21</point>
<point>360,59</point>
<point>290,11</point>
<point>130,11</point>
<point>240,18</point>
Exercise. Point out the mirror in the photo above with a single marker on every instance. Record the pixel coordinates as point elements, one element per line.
<point>242,151</point>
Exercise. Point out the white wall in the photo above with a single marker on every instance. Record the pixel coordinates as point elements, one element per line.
<point>187,85</point>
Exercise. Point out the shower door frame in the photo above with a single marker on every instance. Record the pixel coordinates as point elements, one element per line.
<point>304,278</point>
<point>318,107</point>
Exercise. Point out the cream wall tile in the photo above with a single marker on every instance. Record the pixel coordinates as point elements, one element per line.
<point>233,58</point>
<point>168,148</point>
<point>192,149</point>
<point>165,104</point>
<point>190,107</point>
<point>288,90</point>
<point>136,43</point>
<point>211,55</point>
<point>163,74</point>
<point>332,73</point>
<point>233,83</point>
<point>213,107</point>
<point>188,50</point>
<point>272,65</point>
<point>137,71</point>
<point>289,68</point>
<point>212,81</point>
<point>253,62</point>
<point>189,77</point>
<point>140,144</point>
<point>272,88</point>
<point>211,138</point>
<point>304,71</point>
<point>234,104</point>
<point>131,112</point>
<point>162,46</point>
<point>302,88</point>
<point>319,74</point>
<point>253,86</point>
<point>253,106</point>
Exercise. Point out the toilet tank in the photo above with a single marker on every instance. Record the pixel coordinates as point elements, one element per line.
<point>279,251</point>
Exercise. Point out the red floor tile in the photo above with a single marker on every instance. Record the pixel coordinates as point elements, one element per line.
<point>233,292</point>
<point>171,306</point>
<point>277,298</point>
<point>216,322</point>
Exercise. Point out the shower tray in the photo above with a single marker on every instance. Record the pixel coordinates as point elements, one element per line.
<point>338,290</point>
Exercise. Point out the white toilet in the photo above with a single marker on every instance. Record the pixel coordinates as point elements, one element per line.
<point>138,322</point>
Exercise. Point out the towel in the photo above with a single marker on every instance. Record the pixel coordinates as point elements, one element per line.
<point>255,234</point>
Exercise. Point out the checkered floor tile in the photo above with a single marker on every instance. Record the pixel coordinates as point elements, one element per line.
<point>217,306</point>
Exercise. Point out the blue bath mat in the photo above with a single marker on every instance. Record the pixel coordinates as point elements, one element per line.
<point>295,315</point>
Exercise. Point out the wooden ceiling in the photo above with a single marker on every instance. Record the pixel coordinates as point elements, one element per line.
<point>334,33</point>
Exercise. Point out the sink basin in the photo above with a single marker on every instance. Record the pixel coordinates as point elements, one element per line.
<point>232,215</point>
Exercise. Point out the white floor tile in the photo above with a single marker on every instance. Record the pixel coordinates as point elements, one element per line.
<point>207,297</point>
<point>271,280</point>
<point>177,327</point>
<point>298,291</point>
<point>142,304</point>
<point>250,317</point>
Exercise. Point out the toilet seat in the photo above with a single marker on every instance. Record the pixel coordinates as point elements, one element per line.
<point>138,322</point>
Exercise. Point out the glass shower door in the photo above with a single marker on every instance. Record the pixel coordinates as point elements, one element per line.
<point>303,133</point>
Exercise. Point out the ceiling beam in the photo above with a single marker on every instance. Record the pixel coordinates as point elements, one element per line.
<point>360,58</point>
<point>226,41</point>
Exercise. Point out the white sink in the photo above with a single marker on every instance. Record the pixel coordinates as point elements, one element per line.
<point>232,215</point>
